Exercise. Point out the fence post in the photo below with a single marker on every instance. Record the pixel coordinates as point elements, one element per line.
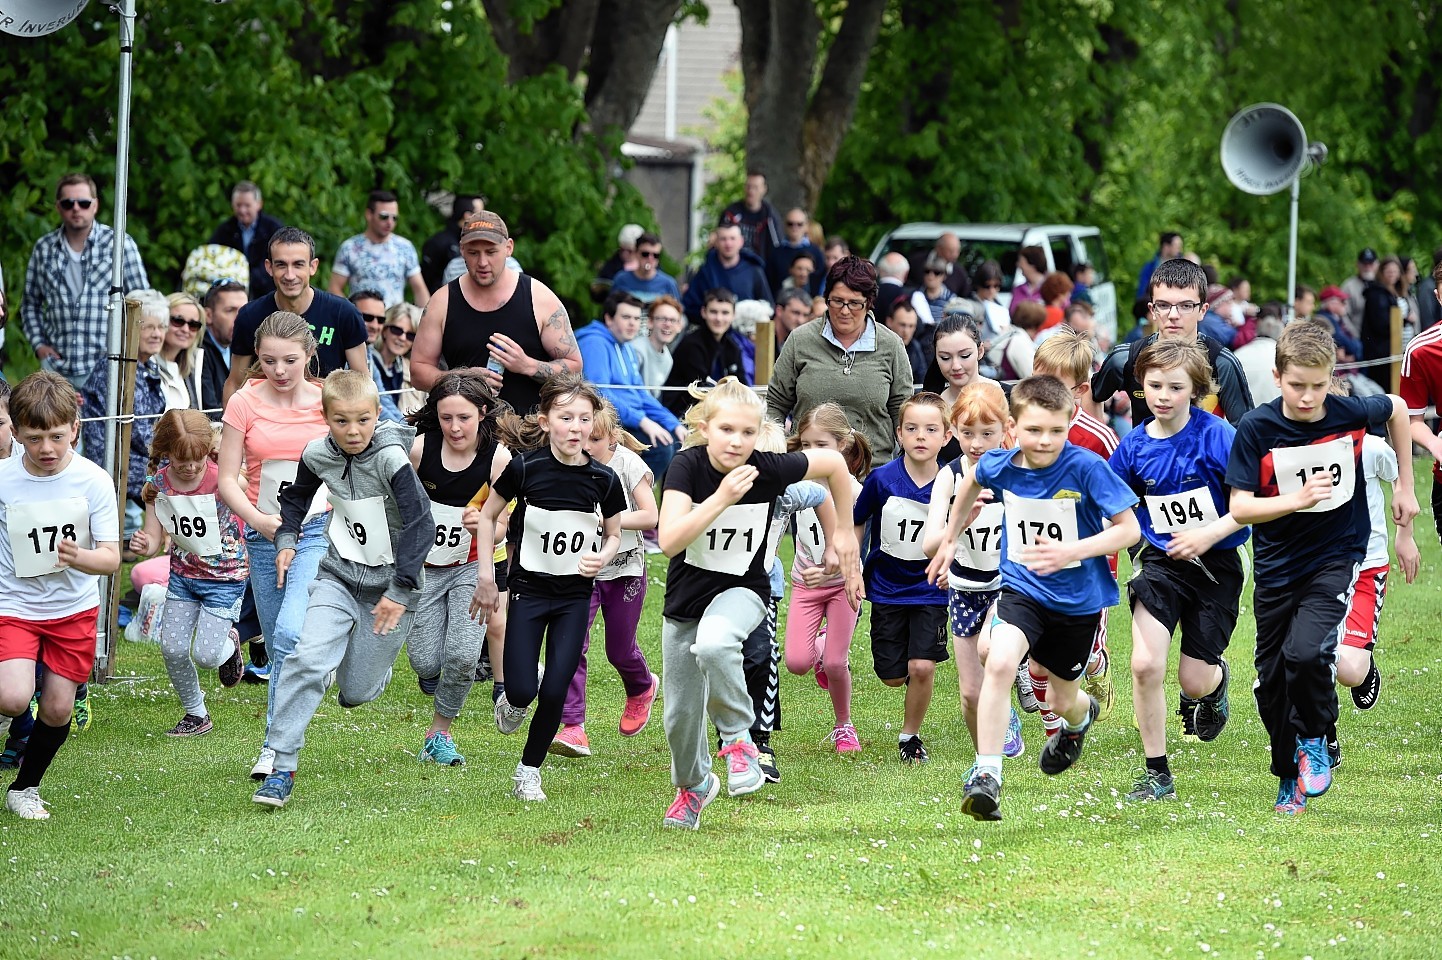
<point>1396,351</point>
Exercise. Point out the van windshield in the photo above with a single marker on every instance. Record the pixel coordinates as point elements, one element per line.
<point>973,254</point>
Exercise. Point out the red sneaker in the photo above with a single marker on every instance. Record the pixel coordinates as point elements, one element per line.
<point>638,710</point>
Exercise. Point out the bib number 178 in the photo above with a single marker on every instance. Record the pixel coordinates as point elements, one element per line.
<point>38,537</point>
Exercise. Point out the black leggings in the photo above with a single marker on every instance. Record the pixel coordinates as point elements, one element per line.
<point>563,622</point>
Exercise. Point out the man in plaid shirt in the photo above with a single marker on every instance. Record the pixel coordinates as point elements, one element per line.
<point>67,284</point>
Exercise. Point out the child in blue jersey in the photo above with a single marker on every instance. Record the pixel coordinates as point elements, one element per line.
<point>908,615</point>
<point>1295,473</point>
<point>1188,571</point>
<point>1054,576</point>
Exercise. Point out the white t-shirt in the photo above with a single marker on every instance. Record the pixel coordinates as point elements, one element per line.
<point>66,592</point>
<point>1379,462</point>
<point>630,558</point>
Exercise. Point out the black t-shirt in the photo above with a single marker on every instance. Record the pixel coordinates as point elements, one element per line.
<point>1272,454</point>
<point>557,519</point>
<point>732,551</point>
<point>334,320</point>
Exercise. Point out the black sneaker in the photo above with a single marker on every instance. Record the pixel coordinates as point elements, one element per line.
<point>766,759</point>
<point>258,656</point>
<point>1212,711</point>
<point>1153,786</point>
<point>1365,694</point>
<point>428,685</point>
<point>483,664</point>
<point>1334,750</point>
<point>1187,710</point>
<point>912,751</point>
<point>1063,750</point>
<point>982,798</point>
<point>233,669</point>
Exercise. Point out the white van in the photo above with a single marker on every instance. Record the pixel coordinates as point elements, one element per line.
<point>1066,245</point>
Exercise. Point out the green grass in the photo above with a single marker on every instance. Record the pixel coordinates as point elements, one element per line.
<point>155,849</point>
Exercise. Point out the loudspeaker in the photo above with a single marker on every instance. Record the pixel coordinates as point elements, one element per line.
<point>1264,149</point>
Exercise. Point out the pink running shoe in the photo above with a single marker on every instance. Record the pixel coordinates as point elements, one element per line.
<point>638,710</point>
<point>822,681</point>
<point>570,741</point>
<point>845,738</point>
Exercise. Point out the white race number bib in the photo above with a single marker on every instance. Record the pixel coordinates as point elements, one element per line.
<point>553,541</point>
<point>979,546</point>
<point>902,523</point>
<point>275,476</point>
<point>1176,512</point>
<point>360,532</point>
<point>1336,459</point>
<point>730,543</point>
<point>1030,520</point>
<point>810,540</point>
<point>192,522</point>
<point>37,528</point>
<point>452,544</point>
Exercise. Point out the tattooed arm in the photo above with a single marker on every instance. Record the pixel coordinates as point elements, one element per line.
<point>556,337</point>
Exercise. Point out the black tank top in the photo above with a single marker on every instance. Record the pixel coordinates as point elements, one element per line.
<point>463,344</point>
<point>468,487</point>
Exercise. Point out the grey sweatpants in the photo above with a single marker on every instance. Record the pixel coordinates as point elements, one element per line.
<point>445,642</point>
<point>191,635</point>
<point>702,675</point>
<point>337,636</point>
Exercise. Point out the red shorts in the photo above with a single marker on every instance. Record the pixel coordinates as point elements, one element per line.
<point>1364,614</point>
<point>66,646</point>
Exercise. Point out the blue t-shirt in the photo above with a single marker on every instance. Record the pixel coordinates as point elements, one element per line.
<point>896,566</point>
<point>334,320</point>
<point>1192,460</point>
<point>645,290</point>
<point>1037,501</point>
<point>1272,454</point>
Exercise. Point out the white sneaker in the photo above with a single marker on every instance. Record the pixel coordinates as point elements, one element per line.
<point>528,783</point>
<point>264,764</point>
<point>27,804</point>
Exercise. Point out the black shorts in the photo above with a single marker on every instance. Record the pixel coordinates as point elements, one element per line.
<point>1061,642</point>
<point>1437,506</point>
<point>902,632</point>
<point>1203,598</point>
<point>503,570</point>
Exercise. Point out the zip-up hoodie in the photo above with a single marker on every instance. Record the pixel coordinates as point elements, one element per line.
<point>604,359</point>
<point>747,280</point>
<point>383,469</point>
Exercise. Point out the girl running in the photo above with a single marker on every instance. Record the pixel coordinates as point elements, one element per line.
<point>208,565</point>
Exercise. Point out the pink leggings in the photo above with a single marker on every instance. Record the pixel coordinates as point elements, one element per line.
<point>154,570</point>
<point>809,607</point>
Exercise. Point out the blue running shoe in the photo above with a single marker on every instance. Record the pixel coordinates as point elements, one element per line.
<point>1314,766</point>
<point>276,789</point>
<point>255,674</point>
<point>1014,745</point>
<point>1290,798</point>
<point>428,685</point>
<point>13,753</point>
<point>440,748</point>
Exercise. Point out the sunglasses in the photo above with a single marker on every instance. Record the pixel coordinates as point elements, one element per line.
<point>396,331</point>
<point>70,203</point>
<point>178,322</point>
<point>649,254</point>
<point>388,216</point>
<point>373,317</point>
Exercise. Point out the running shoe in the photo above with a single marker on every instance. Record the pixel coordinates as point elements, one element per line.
<point>13,753</point>
<point>191,726</point>
<point>528,784</point>
<point>822,680</point>
<point>1211,712</point>
<point>428,685</point>
<point>1153,786</point>
<point>233,669</point>
<point>1064,749</point>
<point>440,748</point>
<point>845,738</point>
<point>1334,750</point>
<point>1187,710</point>
<point>508,718</point>
<point>1314,766</point>
<point>743,772</point>
<point>1365,694</point>
<point>685,810</point>
<point>1014,746</point>
<point>1025,695</point>
<point>83,716</point>
<point>981,798</point>
<point>1290,798</point>
<point>256,674</point>
<point>1099,686</point>
<point>276,789</point>
<point>570,741</point>
<point>912,750</point>
<point>264,764</point>
<point>26,804</point>
<point>766,759</point>
<point>637,712</point>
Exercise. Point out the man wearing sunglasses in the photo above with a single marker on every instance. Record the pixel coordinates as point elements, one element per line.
<point>646,282</point>
<point>67,284</point>
<point>380,259</point>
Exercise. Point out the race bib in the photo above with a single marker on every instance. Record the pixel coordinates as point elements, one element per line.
<point>1028,521</point>
<point>360,532</point>
<point>552,541</point>
<point>731,542</point>
<point>979,546</point>
<point>192,522</point>
<point>36,530</point>
<point>902,523</point>
<point>1181,511</point>
<point>1336,459</point>
<point>810,540</point>
<point>452,544</point>
<point>275,476</point>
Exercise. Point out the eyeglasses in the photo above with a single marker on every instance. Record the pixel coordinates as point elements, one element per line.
<point>178,322</point>
<point>396,331</point>
<point>388,216</point>
<point>665,318</point>
<point>70,203</point>
<point>1184,308</point>
<point>851,306</point>
<point>932,271</point>
<point>649,254</point>
<point>373,317</point>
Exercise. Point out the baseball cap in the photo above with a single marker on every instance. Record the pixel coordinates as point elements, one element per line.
<point>628,236</point>
<point>1331,293</point>
<point>484,226</point>
<point>1218,294</point>
<point>1368,255</point>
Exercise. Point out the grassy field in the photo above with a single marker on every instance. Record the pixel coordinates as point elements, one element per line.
<point>155,850</point>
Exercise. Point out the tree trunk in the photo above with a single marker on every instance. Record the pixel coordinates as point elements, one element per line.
<point>560,38</point>
<point>625,49</point>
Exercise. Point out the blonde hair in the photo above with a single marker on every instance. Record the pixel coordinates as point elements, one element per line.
<point>1306,345</point>
<point>180,435</point>
<point>729,392</point>
<point>348,387</point>
<point>831,419</point>
<point>1046,393</point>
<point>186,359</point>
<point>282,325</point>
<point>607,423</point>
<point>982,401</point>
<point>1066,353</point>
<point>771,438</point>
<point>924,399</point>
<point>408,310</point>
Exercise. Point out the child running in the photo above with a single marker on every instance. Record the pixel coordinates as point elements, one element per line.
<point>363,600</point>
<point>1295,472</point>
<point>718,499</point>
<point>1188,572</point>
<point>457,458</point>
<point>565,528</point>
<point>1057,498</point>
<point>981,422</point>
<point>820,620</point>
<point>619,591</point>
<point>59,533</point>
<point>908,615</point>
<point>208,565</point>
<point>268,424</point>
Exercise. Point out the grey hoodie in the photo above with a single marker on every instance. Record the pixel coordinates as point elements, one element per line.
<point>383,469</point>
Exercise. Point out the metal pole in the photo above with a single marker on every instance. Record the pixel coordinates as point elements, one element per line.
<point>1292,252</point>
<point>126,10</point>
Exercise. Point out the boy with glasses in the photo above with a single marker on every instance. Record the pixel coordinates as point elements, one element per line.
<point>1178,300</point>
<point>646,282</point>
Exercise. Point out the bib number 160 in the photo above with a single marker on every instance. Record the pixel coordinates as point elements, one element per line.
<point>560,544</point>
<point>37,537</point>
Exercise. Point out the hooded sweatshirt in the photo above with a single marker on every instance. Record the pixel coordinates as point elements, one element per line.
<point>605,360</point>
<point>383,469</point>
<point>747,280</point>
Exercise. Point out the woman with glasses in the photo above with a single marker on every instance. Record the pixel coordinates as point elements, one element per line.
<point>986,282</point>
<point>179,359</point>
<point>847,358</point>
<point>391,365</point>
